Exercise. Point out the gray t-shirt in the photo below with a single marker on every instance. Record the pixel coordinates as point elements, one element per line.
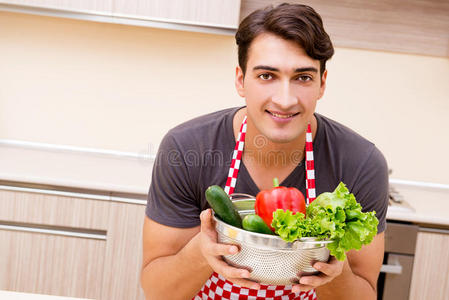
<point>198,153</point>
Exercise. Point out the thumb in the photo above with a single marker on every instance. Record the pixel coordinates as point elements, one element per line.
<point>206,220</point>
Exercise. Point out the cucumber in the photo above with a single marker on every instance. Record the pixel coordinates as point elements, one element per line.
<point>255,223</point>
<point>223,206</point>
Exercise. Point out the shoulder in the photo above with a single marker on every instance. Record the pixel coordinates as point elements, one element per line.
<point>181,169</point>
<point>340,134</point>
<point>344,144</point>
<point>347,156</point>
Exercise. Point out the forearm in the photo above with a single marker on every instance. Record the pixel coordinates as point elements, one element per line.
<point>347,286</point>
<point>178,276</point>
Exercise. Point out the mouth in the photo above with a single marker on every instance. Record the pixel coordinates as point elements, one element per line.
<point>281,115</point>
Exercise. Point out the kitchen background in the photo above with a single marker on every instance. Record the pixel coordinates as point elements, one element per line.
<point>116,89</point>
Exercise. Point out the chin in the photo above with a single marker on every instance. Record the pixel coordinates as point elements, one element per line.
<point>281,138</point>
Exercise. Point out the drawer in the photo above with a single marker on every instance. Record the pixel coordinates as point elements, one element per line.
<point>401,238</point>
<point>53,210</point>
<point>40,263</point>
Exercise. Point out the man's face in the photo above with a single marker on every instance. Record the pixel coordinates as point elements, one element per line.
<point>282,85</point>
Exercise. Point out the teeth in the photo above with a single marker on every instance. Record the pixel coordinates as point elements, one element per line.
<point>281,116</point>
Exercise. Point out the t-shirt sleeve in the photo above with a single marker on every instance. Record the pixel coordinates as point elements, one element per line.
<point>371,189</point>
<point>171,197</point>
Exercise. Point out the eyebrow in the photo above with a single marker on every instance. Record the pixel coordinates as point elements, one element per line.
<point>297,70</point>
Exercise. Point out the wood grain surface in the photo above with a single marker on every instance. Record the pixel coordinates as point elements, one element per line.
<point>123,255</point>
<point>208,12</point>
<point>409,26</point>
<point>100,6</point>
<point>50,264</point>
<point>53,210</point>
<point>430,271</point>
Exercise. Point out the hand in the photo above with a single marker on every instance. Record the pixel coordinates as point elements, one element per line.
<point>213,251</point>
<point>328,271</point>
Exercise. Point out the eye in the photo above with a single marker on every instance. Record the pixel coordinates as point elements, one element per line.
<point>304,78</point>
<point>265,76</point>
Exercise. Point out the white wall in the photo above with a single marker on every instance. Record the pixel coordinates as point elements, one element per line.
<point>121,87</point>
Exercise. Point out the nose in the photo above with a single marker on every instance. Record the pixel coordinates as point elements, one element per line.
<point>283,96</point>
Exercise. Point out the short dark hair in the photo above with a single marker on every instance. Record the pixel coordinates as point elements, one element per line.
<point>295,22</point>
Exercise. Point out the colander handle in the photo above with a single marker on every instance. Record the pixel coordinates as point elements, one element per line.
<point>316,242</point>
<point>242,195</point>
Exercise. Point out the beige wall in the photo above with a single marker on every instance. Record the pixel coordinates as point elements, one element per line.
<point>107,86</point>
<point>121,87</point>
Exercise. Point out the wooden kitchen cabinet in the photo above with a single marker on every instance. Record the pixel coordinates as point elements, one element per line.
<point>430,278</point>
<point>70,246</point>
<point>51,264</point>
<point>94,6</point>
<point>407,26</point>
<point>123,258</point>
<point>218,13</point>
<point>222,14</point>
<point>53,210</point>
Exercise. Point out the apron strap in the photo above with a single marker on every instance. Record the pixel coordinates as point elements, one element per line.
<point>310,167</point>
<point>236,158</point>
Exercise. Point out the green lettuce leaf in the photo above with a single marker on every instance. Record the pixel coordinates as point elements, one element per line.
<point>290,226</point>
<point>336,216</point>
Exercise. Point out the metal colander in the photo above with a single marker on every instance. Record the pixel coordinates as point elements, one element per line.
<point>270,259</point>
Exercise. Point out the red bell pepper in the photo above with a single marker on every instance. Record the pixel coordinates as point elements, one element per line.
<point>282,197</point>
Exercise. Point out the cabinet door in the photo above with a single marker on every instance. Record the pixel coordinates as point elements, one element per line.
<point>409,26</point>
<point>95,6</point>
<point>52,244</point>
<point>430,272</point>
<point>70,246</point>
<point>123,258</point>
<point>51,264</point>
<point>220,13</point>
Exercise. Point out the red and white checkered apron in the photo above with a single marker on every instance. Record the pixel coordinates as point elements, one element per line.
<point>217,287</point>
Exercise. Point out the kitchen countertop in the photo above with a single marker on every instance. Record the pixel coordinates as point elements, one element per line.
<point>8,295</point>
<point>89,171</point>
<point>430,205</point>
<point>112,174</point>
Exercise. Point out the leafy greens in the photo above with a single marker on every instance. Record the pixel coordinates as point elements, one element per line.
<point>336,216</point>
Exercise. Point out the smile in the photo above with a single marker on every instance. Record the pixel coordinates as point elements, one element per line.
<point>281,115</point>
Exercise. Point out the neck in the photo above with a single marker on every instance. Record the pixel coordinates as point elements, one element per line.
<point>267,154</point>
<point>274,155</point>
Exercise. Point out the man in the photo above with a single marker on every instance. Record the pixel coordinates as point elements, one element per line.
<point>281,75</point>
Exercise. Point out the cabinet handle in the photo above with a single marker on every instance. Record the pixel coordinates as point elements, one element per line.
<point>83,195</point>
<point>391,269</point>
<point>54,231</point>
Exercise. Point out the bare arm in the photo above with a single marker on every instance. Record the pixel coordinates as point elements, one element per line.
<point>167,251</point>
<point>358,278</point>
<point>177,262</point>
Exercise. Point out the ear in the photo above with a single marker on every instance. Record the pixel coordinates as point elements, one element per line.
<point>323,84</point>
<point>239,78</point>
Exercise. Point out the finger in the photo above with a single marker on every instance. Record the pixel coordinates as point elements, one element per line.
<point>233,274</point>
<point>216,249</point>
<point>221,267</point>
<point>206,220</point>
<point>245,283</point>
<point>332,268</point>
<point>315,281</point>
<point>208,224</point>
<point>301,288</point>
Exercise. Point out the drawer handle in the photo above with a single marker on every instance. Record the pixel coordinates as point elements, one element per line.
<point>391,269</point>
<point>55,230</point>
